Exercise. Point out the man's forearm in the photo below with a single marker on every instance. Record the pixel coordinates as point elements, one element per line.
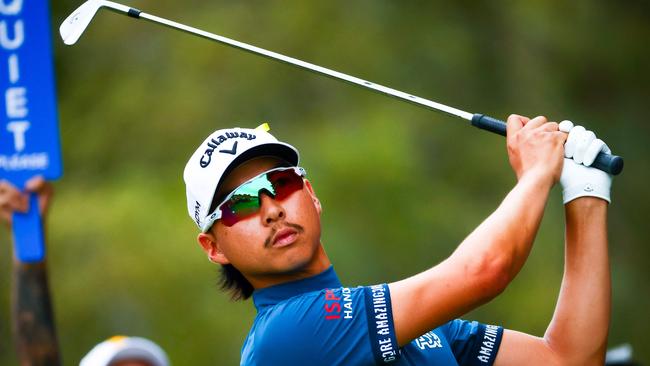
<point>506,236</point>
<point>580,324</point>
<point>479,269</point>
<point>490,257</point>
<point>32,316</point>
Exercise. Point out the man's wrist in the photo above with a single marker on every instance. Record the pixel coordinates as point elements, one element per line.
<point>586,205</point>
<point>537,177</point>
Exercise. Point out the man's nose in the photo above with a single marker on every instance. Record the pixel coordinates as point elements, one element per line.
<point>271,210</point>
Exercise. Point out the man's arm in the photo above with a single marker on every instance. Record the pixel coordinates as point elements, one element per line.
<point>577,335</point>
<point>32,317</point>
<point>489,258</point>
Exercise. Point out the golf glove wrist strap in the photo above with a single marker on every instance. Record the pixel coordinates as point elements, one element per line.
<point>584,182</point>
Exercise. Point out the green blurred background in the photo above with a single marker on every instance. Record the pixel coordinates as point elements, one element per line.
<point>401,186</point>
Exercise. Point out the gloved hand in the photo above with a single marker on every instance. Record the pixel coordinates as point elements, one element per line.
<point>580,151</point>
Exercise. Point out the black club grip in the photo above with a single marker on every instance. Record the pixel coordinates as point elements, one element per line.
<point>608,163</point>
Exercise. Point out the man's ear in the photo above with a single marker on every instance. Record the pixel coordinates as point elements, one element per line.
<point>315,199</point>
<point>211,247</point>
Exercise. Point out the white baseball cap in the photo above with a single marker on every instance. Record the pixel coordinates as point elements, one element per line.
<point>122,348</point>
<point>218,155</point>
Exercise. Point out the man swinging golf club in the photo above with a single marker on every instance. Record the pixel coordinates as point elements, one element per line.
<point>260,220</point>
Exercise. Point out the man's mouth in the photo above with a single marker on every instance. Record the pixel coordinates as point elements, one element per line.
<point>284,237</point>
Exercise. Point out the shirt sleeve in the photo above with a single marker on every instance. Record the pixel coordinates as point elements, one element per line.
<point>341,326</point>
<point>473,343</point>
<point>381,328</point>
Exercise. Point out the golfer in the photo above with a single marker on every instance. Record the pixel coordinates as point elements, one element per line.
<point>259,218</point>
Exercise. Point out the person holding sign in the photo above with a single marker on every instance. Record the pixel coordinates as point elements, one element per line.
<point>29,146</point>
<point>33,320</point>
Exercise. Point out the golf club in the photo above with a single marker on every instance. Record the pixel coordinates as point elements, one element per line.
<point>75,24</point>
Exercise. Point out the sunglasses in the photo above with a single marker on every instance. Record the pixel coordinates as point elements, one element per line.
<point>244,201</point>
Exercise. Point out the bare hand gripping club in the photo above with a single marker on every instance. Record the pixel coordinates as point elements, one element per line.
<point>75,24</point>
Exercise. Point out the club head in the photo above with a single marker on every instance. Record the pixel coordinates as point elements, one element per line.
<point>75,24</point>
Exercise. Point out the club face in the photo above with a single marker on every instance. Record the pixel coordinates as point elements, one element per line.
<point>75,24</point>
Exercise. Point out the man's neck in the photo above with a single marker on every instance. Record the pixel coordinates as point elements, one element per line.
<point>317,265</point>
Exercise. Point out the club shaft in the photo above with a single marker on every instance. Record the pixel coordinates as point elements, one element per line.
<point>429,104</point>
<point>606,162</point>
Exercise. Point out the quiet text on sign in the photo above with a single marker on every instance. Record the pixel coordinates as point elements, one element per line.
<point>16,93</point>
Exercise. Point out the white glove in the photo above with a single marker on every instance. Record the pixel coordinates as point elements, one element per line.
<point>580,151</point>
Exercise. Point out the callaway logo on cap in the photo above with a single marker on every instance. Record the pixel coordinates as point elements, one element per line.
<point>218,155</point>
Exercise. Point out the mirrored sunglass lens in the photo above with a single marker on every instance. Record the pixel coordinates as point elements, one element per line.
<point>244,203</point>
<point>285,183</point>
<point>253,188</point>
<point>245,200</point>
<point>238,207</point>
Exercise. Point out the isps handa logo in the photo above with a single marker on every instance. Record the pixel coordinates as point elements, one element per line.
<point>338,306</point>
<point>214,142</point>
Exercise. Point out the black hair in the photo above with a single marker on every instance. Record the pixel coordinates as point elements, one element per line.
<point>235,283</point>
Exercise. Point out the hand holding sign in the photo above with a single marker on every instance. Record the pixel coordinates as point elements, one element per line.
<point>12,200</point>
<point>24,210</point>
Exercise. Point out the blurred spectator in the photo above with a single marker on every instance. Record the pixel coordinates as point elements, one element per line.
<point>126,351</point>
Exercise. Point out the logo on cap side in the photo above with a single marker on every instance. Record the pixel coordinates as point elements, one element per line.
<point>197,218</point>
<point>206,158</point>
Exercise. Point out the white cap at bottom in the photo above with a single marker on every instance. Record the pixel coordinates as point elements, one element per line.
<point>122,348</point>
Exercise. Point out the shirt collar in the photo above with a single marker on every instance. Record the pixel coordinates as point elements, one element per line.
<point>274,294</point>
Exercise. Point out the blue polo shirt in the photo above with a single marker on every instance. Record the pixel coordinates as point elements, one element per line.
<point>316,321</point>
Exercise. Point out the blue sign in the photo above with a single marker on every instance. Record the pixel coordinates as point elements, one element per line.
<point>29,135</point>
